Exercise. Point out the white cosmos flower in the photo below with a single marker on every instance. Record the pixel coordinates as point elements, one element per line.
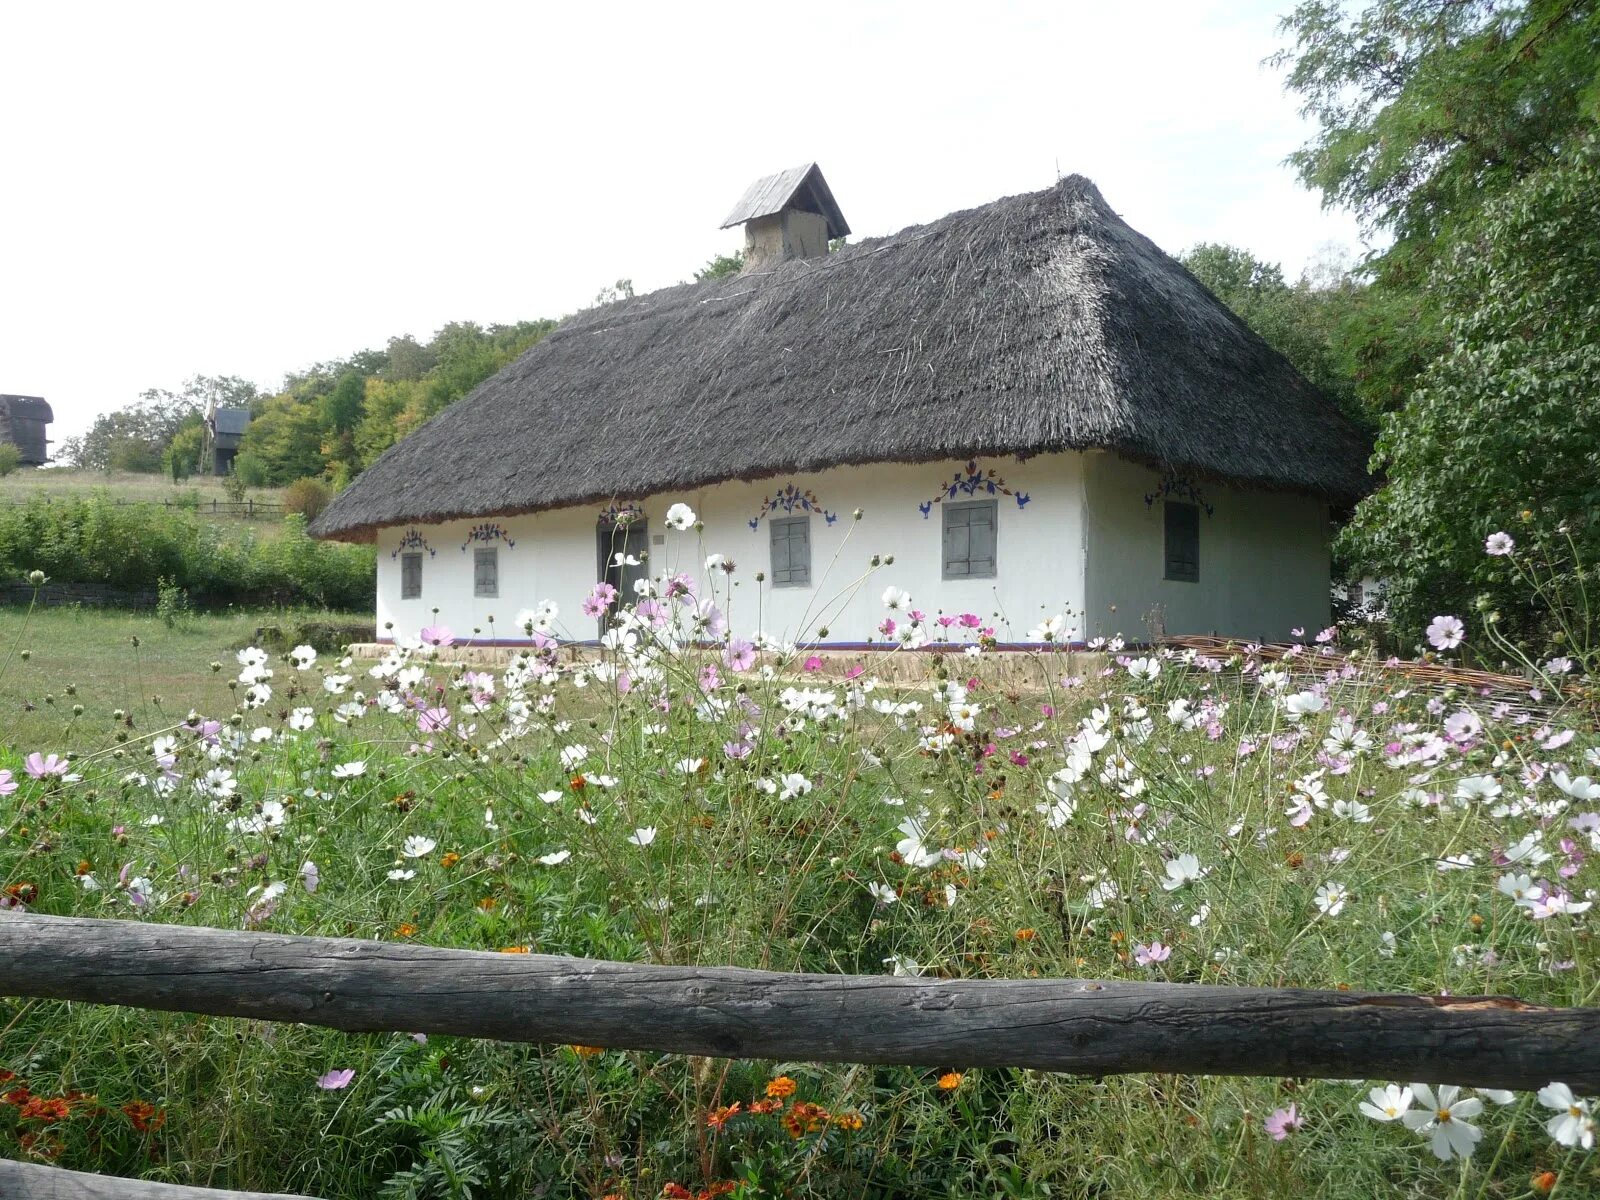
<point>1446,633</point>
<point>902,965</point>
<point>1499,543</point>
<point>553,796</point>
<point>1303,704</point>
<point>1049,629</point>
<point>794,785</point>
<point>1184,869</point>
<point>1573,1125</point>
<point>571,756</point>
<point>1354,810</point>
<point>895,599</point>
<point>350,770</point>
<point>1144,669</point>
<point>1482,788</point>
<point>303,657</point>
<point>1387,1103</point>
<point>913,848</point>
<point>688,766</point>
<point>400,873</point>
<point>680,517</point>
<point>883,893</point>
<point>302,719</point>
<point>643,837</point>
<point>416,846</point>
<point>555,859</point>
<point>1331,899</point>
<point>1443,1119</point>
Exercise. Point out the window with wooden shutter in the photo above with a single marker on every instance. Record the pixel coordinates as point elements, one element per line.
<point>486,572</point>
<point>970,540</point>
<point>410,576</point>
<point>791,551</point>
<point>1183,542</point>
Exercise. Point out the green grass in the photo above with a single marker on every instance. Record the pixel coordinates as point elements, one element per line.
<point>749,868</point>
<point>132,488</point>
<point>111,660</point>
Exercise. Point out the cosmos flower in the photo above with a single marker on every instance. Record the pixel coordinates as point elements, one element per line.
<point>643,837</point>
<point>1573,1125</point>
<point>1283,1122</point>
<point>1499,544</point>
<point>1184,869</point>
<point>1446,633</point>
<point>334,1080</point>
<point>681,517</point>
<point>350,770</point>
<point>1387,1103</point>
<point>1331,899</point>
<point>417,846</point>
<point>1444,1120</point>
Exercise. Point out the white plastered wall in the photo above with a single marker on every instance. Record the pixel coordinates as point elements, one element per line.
<point>552,555</point>
<point>1264,565</point>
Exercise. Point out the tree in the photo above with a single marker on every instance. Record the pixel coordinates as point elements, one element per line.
<point>285,438</point>
<point>1503,431</point>
<point>1303,321</point>
<point>1426,110</point>
<point>721,266</point>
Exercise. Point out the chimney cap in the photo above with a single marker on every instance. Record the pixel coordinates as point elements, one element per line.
<point>801,187</point>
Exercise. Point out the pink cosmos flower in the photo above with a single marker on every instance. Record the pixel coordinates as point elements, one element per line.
<point>598,600</point>
<point>1283,1122</point>
<point>7,784</point>
<point>739,655</point>
<point>336,1079</point>
<point>438,635</point>
<point>813,663</point>
<point>433,720</point>
<point>1155,952</point>
<point>40,766</point>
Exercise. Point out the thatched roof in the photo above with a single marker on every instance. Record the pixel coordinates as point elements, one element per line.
<point>1039,322</point>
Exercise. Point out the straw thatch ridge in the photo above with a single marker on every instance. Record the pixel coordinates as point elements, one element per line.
<point>1039,322</point>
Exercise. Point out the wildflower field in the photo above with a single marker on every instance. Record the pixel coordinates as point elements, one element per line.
<point>1318,821</point>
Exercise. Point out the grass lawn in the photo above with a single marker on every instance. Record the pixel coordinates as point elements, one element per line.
<point>86,656</point>
<point>129,487</point>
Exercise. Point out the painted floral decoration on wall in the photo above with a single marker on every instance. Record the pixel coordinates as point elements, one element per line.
<point>973,482</point>
<point>787,500</point>
<point>487,531</point>
<point>1178,487</point>
<point>412,539</point>
<point>620,514</point>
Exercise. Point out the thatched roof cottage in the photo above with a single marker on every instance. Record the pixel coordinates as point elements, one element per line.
<point>1034,409</point>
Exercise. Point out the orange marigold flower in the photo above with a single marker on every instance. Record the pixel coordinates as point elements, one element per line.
<point>780,1087</point>
<point>587,1051</point>
<point>405,929</point>
<point>1544,1182</point>
<point>487,903</point>
<point>84,867</point>
<point>1027,935</point>
<point>450,859</point>
<point>41,1145</point>
<point>144,1116</point>
<point>950,1080</point>
<point>18,1096</point>
<point>7,1076</point>
<point>717,1118</point>
<point>676,1191</point>
<point>805,1118</point>
<point>849,1120</point>
<point>514,950</point>
<point>762,1108</point>
<point>577,783</point>
<point>41,1109</point>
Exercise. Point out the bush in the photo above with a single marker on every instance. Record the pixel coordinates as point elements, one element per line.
<point>10,458</point>
<point>93,540</point>
<point>306,498</point>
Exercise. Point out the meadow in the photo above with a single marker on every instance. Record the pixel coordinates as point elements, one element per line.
<point>1163,815</point>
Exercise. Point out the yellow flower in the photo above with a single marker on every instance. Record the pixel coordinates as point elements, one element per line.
<point>950,1081</point>
<point>780,1087</point>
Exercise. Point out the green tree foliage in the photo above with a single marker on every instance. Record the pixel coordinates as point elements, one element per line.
<point>1302,321</point>
<point>1506,421</point>
<point>10,458</point>
<point>1427,109</point>
<point>721,266</point>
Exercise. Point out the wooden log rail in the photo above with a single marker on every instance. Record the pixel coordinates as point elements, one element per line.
<point>1090,1027</point>
<point>35,1181</point>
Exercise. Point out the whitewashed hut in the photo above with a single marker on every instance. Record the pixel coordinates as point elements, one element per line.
<point>1031,407</point>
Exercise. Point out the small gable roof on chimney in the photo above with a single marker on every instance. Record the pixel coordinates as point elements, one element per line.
<point>800,187</point>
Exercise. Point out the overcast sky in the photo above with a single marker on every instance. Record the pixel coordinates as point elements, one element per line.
<point>245,190</point>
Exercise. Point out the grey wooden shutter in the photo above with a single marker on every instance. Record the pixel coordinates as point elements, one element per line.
<point>1182,528</point>
<point>410,576</point>
<point>486,572</point>
<point>791,551</point>
<point>971,540</point>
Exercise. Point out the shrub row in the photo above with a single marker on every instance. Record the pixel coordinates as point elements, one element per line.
<point>92,540</point>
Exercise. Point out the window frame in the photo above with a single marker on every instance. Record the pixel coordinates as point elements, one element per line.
<point>410,559</point>
<point>948,521</point>
<point>481,555</point>
<point>1178,566</point>
<point>785,524</point>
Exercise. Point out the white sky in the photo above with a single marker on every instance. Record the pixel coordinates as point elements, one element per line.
<point>222,189</point>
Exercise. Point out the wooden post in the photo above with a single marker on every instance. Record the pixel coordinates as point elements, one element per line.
<point>1089,1027</point>
<point>34,1181</point>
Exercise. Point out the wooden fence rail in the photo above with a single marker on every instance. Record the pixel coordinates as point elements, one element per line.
<point>34,1181</point>
<point>1087,1027</point>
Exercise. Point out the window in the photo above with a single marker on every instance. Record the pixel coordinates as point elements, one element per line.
<point>969,539</point>
<point>791,552</point>
<point>410,576</point>
<point>486,572</point>
<point>1183,542</point>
